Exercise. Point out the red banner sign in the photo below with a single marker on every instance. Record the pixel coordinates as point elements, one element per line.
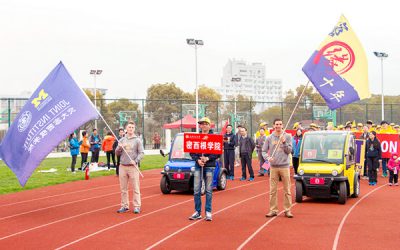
<point>389,143</point>
<point>203,143</point>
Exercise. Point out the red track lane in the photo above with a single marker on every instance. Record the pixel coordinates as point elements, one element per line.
<point>368,222</point>
<point>165,222</point>
<point>314,226</point>
<point>25,209</point>
<point>94,221</point>
<point>374,222</point>
<point>69,188</point>
<point>230,224</point>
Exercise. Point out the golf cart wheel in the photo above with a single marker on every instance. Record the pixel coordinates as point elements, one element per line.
<point>342,193</point>
<point>356,186</point>
<point>299,192</point>
<point>164,185</point>
<point>222,181</point>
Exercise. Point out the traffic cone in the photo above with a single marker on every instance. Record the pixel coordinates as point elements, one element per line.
<point>87,173</point>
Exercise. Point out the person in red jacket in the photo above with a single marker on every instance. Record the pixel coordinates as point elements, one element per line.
<point>107,147</point>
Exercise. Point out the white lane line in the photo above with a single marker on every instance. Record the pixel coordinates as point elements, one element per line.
<point>339,230</point>
<point>156,211</point>
<point>194,223</point>
<point>66,203</point>
<point>260,228</point>
<point>57,195</point>
<point>67,218</point>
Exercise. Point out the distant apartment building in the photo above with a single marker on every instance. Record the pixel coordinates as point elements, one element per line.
<point>248,79</point>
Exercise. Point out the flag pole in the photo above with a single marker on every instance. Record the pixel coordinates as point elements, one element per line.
<point>118,142</point>
<point>290,118</point>
<point>109,129</point>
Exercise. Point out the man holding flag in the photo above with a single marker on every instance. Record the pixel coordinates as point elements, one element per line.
<point>56,108</point>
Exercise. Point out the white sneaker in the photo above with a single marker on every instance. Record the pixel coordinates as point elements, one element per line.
<point>208,216</point>
<point>195,216</point>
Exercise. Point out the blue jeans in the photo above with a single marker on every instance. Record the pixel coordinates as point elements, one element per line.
<point>384,166</point>
<point>208,178</point>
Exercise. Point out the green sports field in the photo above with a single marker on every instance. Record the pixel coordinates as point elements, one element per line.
<point>10,184</point>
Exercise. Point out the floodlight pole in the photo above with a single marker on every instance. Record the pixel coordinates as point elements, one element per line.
<point>382,55</point>
<point>95,73</point>
<point>195,44</point>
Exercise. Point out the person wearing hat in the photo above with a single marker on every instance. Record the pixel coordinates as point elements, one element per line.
<point>340,127</point>
<point>297,125</point>
<point>348,127</point>
<point>263,125</point>
<point>204,168</point>
<point>313,127</point>
<point>369,124</point>
<point>330,126</point>
<point>385,129</point>
<point>359,127</point>
<point>364,136</point>
<point>396,128</point>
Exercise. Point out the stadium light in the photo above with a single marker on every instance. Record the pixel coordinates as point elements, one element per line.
<point>95,72</point>
<point>382,55</point>
<point>195,43</point>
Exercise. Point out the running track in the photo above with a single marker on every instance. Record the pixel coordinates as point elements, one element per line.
<point>82,215</point>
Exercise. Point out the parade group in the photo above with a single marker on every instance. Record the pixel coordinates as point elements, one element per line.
<point>277,152</point>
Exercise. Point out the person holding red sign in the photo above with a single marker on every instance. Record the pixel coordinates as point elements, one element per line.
<point>374,157</point>
<point>276,150</point>
<point>204,168</point>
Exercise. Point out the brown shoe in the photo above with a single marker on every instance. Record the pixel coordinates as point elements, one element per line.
<point>288,214</point>
<point>271,214</point>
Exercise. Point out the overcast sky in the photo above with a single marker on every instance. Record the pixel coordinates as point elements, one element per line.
<point>140,43</point>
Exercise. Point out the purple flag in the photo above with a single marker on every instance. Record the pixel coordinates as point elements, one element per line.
<point>56,109</point>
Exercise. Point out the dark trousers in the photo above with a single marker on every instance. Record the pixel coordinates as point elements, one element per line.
<point>393,178</point>
<point>157,146</point>
<point>95,156</point>
<point>365,167</point>
<point>73,163</point>
<point>295,164</point>
<point>112,154</point>
<point>229,161</point>
<point>373,164</point>
<point>246,160</point>
<point>84,159</point>
<point>118,162</point>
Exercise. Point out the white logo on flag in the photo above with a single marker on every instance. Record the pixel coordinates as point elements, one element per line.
<point>24,121</point>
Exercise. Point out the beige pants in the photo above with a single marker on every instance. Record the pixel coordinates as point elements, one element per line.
<point>284,173</point>
<point>126,173</point>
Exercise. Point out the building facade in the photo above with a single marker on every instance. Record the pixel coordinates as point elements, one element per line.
<point>248,79</point>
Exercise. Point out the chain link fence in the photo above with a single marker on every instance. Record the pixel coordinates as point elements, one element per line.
<point>150,116</point>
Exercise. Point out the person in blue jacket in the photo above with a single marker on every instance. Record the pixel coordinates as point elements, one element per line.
<point>296,144</point>
<point>74,149</point>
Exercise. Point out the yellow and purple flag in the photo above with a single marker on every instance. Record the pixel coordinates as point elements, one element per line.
<point>56,109</point>
<point>338,68</point>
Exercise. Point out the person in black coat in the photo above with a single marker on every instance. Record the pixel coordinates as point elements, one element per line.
<point>246,148</point>
<point>374,157</point>
<point>229,152</point>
